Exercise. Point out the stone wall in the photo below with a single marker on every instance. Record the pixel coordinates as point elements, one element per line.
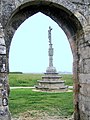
<point>4,86</point>
<point>84,75</point>
<point>73,16</point>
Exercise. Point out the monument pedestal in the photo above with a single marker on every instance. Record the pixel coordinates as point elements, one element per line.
<point>51,82</point>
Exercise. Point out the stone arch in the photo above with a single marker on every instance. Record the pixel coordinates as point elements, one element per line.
<point>65,19</point>
<point>65,15</point>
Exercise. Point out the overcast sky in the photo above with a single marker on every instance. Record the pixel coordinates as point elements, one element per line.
<point>29,46</point>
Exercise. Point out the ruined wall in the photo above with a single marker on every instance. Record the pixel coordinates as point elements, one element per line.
<point>76,25</point>
<point>4,86</point>
<point>84,75</point>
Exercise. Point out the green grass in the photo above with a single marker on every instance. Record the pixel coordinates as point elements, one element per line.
<point>68,78</point>
<point>24,79</point>
<point>21,100</point>
<point>31,79</point>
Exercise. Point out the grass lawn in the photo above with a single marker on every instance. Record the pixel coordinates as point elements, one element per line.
<point>21,100</point>
<point>31,79</point>
<point>68,78</point>
<point>24,79</point>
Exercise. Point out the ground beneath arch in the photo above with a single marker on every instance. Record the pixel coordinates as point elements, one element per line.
<point>39,116</point>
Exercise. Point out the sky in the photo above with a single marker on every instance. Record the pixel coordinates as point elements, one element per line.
<point>29,46</point>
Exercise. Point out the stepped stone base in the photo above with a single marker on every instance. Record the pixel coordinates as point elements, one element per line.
<point>51,82</point>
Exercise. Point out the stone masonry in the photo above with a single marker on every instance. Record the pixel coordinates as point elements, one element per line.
<point>73,16</point>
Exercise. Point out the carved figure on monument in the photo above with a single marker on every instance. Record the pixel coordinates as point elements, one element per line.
<point>50,53</point>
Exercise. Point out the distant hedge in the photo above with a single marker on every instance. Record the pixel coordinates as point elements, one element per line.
<point>15,72</point>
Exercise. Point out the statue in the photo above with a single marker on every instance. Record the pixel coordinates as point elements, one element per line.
<point>50,48</point>
<point>50,53</point>
<point>49,34</point>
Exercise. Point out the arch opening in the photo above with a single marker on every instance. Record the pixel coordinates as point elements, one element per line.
<point>44,37</point>
<point>30,45</point>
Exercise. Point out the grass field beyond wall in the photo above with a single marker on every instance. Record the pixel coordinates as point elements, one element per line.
<point>22,100</point>
<point>31,79</point>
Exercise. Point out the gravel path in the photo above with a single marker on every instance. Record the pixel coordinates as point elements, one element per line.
<point>44,118</point>
<point>29,87</point>
<point>21,87</point>
<point>34,115</point>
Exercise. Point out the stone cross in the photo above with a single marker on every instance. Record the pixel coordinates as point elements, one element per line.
<point>50,52</point>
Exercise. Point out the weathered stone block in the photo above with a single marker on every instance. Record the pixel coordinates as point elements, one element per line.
<point>81,66</point>
<point>3,68</point>
<point>85,89</point>
<point>2,59</point>
<point>87,35</point>
<point>2,49</point>
<point>3,75</point>
<point>6,117</point>
<point>2,42</point>
<point>86,65</point>
<point>84,116</point>
<point>84,52</point>
<point>84,106</point>
<point>84,78</point>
